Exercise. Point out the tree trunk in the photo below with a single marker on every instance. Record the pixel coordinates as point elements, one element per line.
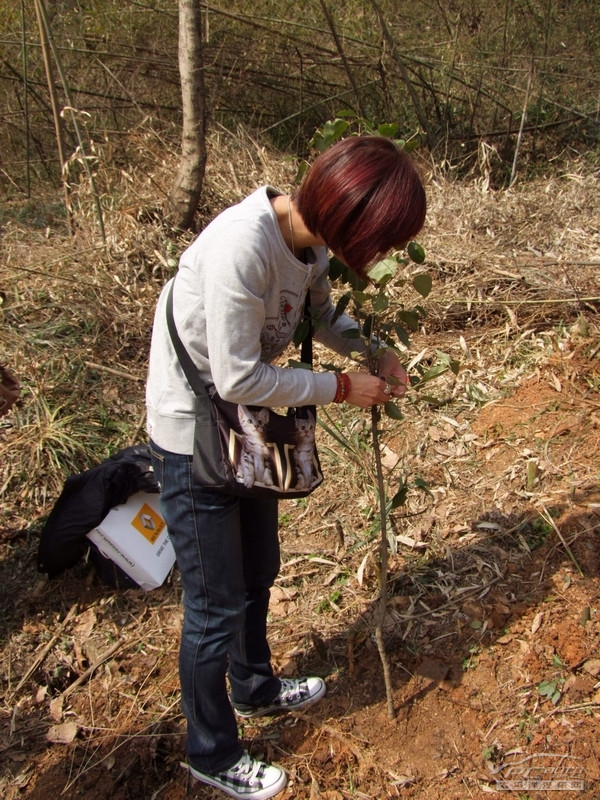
<point>183,200</point>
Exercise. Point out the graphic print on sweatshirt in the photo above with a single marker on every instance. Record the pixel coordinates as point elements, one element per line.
<point>278,331</point>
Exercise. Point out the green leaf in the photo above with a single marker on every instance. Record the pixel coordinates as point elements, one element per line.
<point>422,283</point>
<point>555,697</point>
<point>301,332</point>
<point>402,335</point>
<point>368,326</point>
<point>392,410</point>
<point>433,372</point>
<point>410,319</point>
<point>341,306</point>
<point>331,132</point>
<point>416,252</point>
<point>298,364</point>
<point>388,129</point>
<point>411,145</point>
<point>361,297</point>
<point>426,398</point>
<point>383,271</point>
<point>339,270</point>
<point>336,269</point>
<point>451,363</point>
<point>380,303</point>
<point>379,351</point>
<point>351,333</point>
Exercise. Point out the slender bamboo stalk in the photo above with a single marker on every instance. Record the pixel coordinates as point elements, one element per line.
<point>513,174</point>
<point>26,100</point>
<point>47,33</point>
<point>58,129</point>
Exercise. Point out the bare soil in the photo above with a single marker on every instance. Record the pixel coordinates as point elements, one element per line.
<point>493,616</point>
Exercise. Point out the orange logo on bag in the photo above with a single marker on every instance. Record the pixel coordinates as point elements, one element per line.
<point>148,523</point>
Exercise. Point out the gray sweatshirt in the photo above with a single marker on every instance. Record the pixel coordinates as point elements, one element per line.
<point>238,298</point>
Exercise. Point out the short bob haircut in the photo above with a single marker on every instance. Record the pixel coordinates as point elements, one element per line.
<point>363,196</point>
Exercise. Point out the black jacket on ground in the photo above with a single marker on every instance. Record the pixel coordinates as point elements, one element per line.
<point>84,502</point>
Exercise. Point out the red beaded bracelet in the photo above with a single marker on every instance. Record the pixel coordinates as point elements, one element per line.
<point>343,387</point>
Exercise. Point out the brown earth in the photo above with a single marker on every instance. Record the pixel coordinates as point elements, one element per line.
<point>510,601</point>
<point>493,618</point>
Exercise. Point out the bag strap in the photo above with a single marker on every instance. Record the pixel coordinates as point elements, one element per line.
<point>189,368</point>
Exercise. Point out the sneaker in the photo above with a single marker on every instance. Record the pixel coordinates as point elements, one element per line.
<point>294,694</point>
<point>249,779</point>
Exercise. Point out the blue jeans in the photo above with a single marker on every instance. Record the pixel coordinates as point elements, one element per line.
<point>227,552</point>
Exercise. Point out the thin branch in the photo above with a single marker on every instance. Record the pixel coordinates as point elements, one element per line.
<point>513,173</point>
<point>421,116</point>
<point>90,670</point>
<point>548,517</point>
<point>40,658</point>
<point>340,49</point>
<point>117,372</point>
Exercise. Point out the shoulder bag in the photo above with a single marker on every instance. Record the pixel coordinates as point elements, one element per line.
<point>250,450</point>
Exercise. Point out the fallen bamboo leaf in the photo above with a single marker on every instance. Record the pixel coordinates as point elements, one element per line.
<point>41,693</point>
<point>56,708</point>
<point>489,526</point>
<point>360,575</point>
<point>412,543</point>
<point>403,780</point>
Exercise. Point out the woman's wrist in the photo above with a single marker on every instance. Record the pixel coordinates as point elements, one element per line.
<point>343,387</point>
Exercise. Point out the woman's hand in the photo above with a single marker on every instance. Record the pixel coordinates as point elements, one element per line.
<point>391,369</point>
<point>367,390</point>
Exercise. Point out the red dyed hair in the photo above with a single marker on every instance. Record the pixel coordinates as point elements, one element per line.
<point>363,196</point>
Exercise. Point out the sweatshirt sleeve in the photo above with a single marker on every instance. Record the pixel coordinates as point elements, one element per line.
<point>234,308</point>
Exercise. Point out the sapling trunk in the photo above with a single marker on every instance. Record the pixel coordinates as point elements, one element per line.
<point>383,559</point>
